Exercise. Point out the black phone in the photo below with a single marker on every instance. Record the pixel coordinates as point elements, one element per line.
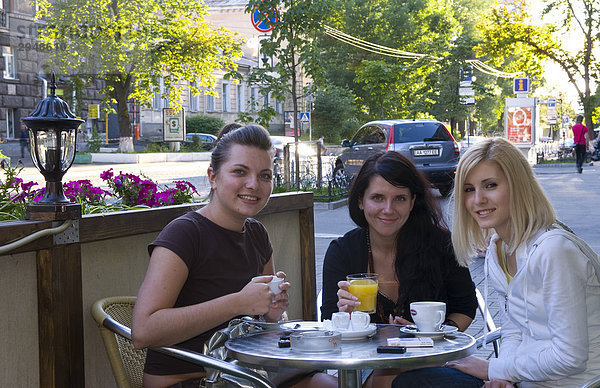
<point>391,349</point>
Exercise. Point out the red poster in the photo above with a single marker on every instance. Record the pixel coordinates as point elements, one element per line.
<point>519,124</point>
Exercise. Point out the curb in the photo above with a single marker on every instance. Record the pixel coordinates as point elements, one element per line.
<point>330,205</point>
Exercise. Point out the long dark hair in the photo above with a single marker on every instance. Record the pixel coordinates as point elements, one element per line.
<point>423,241</point>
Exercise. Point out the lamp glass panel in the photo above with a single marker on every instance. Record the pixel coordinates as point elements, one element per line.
<point>67,149</point>
<point>47,149</point>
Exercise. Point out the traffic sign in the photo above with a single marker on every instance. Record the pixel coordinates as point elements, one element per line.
<point>304,117</point>
<point>521,85</point>
<point>467,100</point>
<point>264,22</point>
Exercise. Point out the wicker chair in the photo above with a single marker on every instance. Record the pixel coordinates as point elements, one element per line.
<point>113,316</point>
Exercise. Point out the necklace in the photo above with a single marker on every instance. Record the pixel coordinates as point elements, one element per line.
<point>371,268</point>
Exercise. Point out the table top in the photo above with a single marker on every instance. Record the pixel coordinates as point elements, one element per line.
<point>262,349</point>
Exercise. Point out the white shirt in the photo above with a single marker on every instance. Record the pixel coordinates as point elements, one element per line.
<point>551,325</point>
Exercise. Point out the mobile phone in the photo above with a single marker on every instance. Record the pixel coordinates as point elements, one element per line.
<point>391,349</point>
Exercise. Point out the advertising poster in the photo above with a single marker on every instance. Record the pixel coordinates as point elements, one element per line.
<point>519,128</point>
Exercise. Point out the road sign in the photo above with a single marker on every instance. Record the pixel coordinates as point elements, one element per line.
<point>467,100</point>
<point>304,117</point>
<point>264,22</point>
<point>173,125</point>
<point>521,85</point>
<point>93,111</point>
<point>466,92</point>
<point>551,112</point>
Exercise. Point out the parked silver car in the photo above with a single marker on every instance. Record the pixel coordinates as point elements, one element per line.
<point>427,143</point>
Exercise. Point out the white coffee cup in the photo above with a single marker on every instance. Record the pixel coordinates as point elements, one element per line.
<point>428,316</point>
<point>359,320</point>
<point>340,320</point>
<point>274,285</point>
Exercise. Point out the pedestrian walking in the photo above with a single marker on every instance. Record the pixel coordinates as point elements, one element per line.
<point>580,137</point>
<point>24,140</point>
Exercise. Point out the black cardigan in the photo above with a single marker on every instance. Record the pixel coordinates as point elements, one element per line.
<point>348,254</point>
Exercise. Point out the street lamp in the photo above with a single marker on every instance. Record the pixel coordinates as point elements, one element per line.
<point>52,131</point>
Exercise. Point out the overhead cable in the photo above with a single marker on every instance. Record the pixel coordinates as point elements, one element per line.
<point>388,51</point>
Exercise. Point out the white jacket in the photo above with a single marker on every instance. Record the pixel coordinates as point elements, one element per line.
<point>550,315</point>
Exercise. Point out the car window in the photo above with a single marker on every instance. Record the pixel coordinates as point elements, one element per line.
<point>369,134</point>
<point>415,132</point>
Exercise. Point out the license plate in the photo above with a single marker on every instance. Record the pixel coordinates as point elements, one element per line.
<point>427,152</point>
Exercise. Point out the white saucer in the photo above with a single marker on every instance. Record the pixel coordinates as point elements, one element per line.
<point>347,335</point>
<point>411,329</point>
<point>354,335</point>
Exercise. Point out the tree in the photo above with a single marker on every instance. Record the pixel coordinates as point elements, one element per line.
<point>333,114</point>
<point>510,27</point>
<point>292,49</point>
<point>134,44</point>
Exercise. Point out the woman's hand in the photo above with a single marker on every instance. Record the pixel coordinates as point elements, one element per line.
<point>280,302</point>
<point>398,320</point>
<point>256,297</point>
<point>498,384</point>
<point>346,301</point>
<point>471,365</point>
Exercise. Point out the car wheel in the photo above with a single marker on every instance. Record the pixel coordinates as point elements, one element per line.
<point>339,176</point>
<point>445,190</point>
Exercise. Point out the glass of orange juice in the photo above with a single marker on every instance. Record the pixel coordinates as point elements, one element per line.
<point>364,287</point>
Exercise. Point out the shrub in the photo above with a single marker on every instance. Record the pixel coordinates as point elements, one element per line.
<point>204,124</point>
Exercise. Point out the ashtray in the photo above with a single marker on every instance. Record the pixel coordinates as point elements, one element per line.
<point>316,341</point>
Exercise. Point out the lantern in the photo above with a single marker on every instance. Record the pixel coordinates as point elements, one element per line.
<point>52,133</point>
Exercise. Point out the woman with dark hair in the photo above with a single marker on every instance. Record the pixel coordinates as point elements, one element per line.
<point>401,236</point>
<point>204,265</point>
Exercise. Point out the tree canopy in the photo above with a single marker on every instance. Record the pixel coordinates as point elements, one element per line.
<point>134,45</point>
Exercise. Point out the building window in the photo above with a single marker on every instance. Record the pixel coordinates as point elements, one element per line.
<point>159,102</point>
<point>194,99</point>
<point>278,107</point>
<point>254,98</point>
<point>10,123</point>
<point>266,100</point>
<point>240,98</point>
<point>210,103</point>
<point>226,97</point>
<point>10,64</point>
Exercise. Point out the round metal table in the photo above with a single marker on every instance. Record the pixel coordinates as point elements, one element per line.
<point>262,350</point>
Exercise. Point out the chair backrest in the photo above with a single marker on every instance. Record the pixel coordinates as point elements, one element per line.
<point>113,316</point>
<point>126,361</point>
<point>487,317</point>
<point>319,304</point>
<point>494,331</point>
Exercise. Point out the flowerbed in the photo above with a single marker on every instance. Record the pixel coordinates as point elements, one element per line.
<point>128,191</point>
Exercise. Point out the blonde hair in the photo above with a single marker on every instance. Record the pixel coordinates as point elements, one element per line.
<point>530,210</point>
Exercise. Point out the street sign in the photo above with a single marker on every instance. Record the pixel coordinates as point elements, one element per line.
<point>467,100</point>
<point>173,125</point>
<point>551,112</point>
<point>521,85</point>
<point>93,111</point>
<point>264,22</point>
<point>304,117</point>
<point>466,92</point>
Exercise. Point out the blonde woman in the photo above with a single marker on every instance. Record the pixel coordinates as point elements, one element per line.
<point>545,277</point>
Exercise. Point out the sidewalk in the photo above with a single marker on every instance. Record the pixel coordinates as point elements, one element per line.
<point>576,198</point>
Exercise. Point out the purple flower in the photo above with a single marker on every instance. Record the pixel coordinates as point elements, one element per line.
<point>106,175</point>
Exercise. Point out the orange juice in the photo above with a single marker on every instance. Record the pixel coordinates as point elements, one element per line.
<point>366,292</point>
